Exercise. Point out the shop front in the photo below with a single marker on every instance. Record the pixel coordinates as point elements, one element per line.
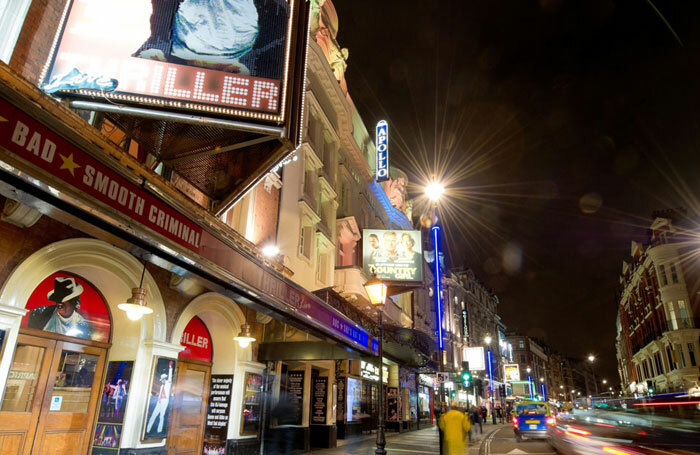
<point>425,399</point>
<point>80,375</point>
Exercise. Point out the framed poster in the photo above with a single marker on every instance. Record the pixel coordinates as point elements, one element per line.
<point>295,388</point>
<point>155,426</point>
<point>320,394</point>
<point>3,337</point>
<point>392,255</point>
<point>66,304</point>
<point>252,394</point>
<point>112,406</point>
<point>216,426</point>
<point>392,403</point>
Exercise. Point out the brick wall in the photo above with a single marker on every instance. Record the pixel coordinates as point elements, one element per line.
<point>266,208</point>
<point>36,38</point>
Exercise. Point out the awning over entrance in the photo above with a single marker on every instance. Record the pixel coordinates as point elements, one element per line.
<point>410,346</point>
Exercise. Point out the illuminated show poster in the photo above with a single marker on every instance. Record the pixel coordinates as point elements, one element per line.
<point>511,372</point>
<point>110,419</point>
<point>225,57</point>
<point>392,255</point>
<point>66,304</point>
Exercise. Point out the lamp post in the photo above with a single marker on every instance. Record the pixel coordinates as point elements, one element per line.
<point>376,290</point>
<point>591,358</point>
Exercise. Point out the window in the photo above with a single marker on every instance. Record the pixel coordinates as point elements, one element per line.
<point>522,358</point>
<point>681,357</point>
<point>639,373</point>
<point>674,274</point>
<point>672,316</point>
<point>646,369</point>
<point>662,273</point>
<point>683,314</point>
<point>321,266</point>
<point>669,355</point>
<point>307,233</point>
<point>658,363</point>
<point>691,354</point>
<point>12,16</point>
<point>521,344</point>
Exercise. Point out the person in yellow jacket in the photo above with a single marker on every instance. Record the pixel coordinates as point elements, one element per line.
<point>455,426</point>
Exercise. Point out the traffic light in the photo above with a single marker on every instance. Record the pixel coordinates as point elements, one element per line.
<point>650,387</point>
<point>466,378</point>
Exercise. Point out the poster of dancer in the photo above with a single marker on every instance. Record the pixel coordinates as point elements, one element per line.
<point>158,408</point>
<point>112,407</point>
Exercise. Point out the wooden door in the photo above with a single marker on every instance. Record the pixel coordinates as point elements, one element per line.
<point>24,394</point>
<point>70,400</point>
<point>51,397</point>
<point>189,410</point>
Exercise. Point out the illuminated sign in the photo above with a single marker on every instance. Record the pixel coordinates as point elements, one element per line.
<point>382,141</point>
<point>370,371</point>
<point>438,279</point>
<point>475,357</point>
<point>224,58</point>
<point>465,324</point>
<point>511,372</point>
<point>392,255</point>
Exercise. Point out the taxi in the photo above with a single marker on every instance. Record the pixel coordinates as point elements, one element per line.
<point>532,420</point>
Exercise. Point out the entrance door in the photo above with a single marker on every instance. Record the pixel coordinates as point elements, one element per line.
<point>190,408</point>
<point>50,397</point>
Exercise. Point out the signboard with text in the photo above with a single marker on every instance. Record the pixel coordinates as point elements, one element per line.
<point>197,341</point>
<point>218,410</point>
<point>392,255</point>
<point>226,59</point>
<point>382,142</point>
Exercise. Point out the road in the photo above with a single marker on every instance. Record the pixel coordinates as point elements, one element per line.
<point>496,440</point>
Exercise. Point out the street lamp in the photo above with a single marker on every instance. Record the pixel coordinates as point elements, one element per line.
<point>376,291</point>
<point>434,190</point>
<point>605,381</point>
<point>591,358</point>
<point>487,339</point>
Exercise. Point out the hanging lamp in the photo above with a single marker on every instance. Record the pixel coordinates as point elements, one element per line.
<point>245,337</point>
<point>135,306</point>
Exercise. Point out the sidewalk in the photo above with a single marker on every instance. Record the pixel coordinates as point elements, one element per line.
<point>420,442</point>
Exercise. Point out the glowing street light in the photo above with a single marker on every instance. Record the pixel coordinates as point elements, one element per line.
<point>605,381</point>
<point>271,250</point>
<point>591,358</point>
<point>434,190</point>
<point>487,339</point>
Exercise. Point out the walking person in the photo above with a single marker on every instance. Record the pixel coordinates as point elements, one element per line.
<point>454,426</point>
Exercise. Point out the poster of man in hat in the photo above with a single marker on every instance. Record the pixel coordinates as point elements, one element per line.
<point>69,305</point>
<point>63,316</point>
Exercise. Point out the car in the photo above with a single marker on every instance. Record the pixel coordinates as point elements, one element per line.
<point>532,420</point>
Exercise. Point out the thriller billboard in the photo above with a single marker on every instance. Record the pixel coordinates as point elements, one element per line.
<point>392,255</point>
<point>227,58</point>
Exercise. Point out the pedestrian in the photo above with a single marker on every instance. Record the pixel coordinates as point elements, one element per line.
<point>484,413</point>
<point>454,426</point>
<point>476,419</point>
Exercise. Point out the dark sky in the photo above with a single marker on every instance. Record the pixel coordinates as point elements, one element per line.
<point>576,119</point>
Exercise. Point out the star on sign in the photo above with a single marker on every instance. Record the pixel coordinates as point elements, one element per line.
<point>69,164</point>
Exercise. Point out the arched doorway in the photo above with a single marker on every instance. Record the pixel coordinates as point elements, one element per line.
<point>191,390</point>
<point>54,382</point>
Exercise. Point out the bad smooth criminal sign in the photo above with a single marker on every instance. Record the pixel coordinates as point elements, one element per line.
<point>392,255</point>
<point>30,140</point>
<point>220,57</point>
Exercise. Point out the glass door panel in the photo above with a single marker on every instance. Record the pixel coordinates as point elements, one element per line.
<point>23,379</point>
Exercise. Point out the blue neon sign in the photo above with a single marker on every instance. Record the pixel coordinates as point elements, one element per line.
<point>382,141</point>
<point>438,292</point>
<point>488,357</point>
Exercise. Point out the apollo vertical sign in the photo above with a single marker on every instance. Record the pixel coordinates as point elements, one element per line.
<point>382,141</point>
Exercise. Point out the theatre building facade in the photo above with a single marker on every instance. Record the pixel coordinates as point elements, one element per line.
<point>140,310</point>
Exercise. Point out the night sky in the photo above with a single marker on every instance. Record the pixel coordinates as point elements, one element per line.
<point>575,120</point>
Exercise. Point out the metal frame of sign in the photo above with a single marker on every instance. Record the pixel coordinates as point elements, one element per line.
<point>295,50</point>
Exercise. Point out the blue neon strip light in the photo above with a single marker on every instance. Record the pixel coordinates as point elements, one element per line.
<point>488,356</point>
<point>438,293</point>
<point>532,392</point>
<point>544,394</point>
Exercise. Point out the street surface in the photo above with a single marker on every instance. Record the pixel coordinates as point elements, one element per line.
<point>496,440</point>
